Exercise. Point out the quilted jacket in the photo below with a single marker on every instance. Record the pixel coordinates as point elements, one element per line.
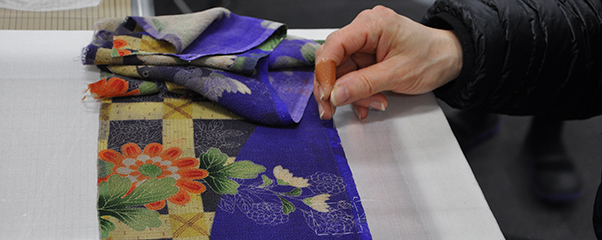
<point>525,57</point>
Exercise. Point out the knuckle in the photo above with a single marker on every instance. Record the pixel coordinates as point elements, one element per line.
<point>365,13</point>
<point>380,8</point>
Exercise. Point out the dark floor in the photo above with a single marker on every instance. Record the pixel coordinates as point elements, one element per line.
<point>496,163</point>
<point>502,175</point>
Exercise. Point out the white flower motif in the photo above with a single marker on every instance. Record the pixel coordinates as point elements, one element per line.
<point>318,202</point>
<point>208,83</point>
<point>284,177</point>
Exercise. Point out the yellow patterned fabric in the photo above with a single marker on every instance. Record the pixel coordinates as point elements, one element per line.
<point>173,123</point>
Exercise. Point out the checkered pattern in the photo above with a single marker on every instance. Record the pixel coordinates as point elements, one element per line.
<point>193,126</point>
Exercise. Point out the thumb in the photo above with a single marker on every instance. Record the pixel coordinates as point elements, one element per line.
<point>361,84</point>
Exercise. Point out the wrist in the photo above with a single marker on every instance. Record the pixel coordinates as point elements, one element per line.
<point>452,52</point>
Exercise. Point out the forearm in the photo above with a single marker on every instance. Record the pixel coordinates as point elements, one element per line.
<point>520,59</point>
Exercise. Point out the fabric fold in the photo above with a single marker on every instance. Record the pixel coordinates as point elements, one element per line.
<point>249,66</point>
<point>198,145</point>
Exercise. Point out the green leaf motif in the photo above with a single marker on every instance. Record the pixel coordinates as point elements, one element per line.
<point>309,51</point>
<point>148,88</point>
<point>294,192</point>
<point>287,207</point>
<point>159,25</point>
<point>114,53</point>
<point>104,168</point>
<point>282,182</point>
<point>242,63</point>
<point>151,190</point>
<point>243,170</point>
<point>112,190</point>
<point>106,227</point>
<point>271,43</point>
<point>214,161</point>
<point>111,202</point>
<point>266,181</point>
<point>307,201</point>
<point>286,61</point>
<point>138,218</point>
<point>222,184</point>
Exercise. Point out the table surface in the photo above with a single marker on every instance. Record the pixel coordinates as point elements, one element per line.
<point>410,172</point>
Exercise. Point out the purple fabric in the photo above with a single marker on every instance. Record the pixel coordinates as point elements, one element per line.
<point>222,36</point>
<point>264,78</point>
<point>311,149</point>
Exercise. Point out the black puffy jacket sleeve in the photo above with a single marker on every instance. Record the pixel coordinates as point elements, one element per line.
<point>525,57</point>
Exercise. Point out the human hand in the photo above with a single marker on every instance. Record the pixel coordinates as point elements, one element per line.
<point>381,50</point>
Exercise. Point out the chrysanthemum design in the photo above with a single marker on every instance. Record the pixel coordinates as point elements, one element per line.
<point>154,162</point>
<point>284,177</point>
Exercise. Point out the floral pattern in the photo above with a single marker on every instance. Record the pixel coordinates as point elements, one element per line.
<point>318,202</point>
<point>270,201</point>
<point>119,43</point>
<point>133,131</point>
<point>284,177</point>
<point>211,86</point>
<point>154,162</point>
<point>232,50</point>
<point>214,134</point>
<point>136,183</point>
<point>116,199</point>
<point>119,47</point>
<point>111,87</point>
<point>149,190</point>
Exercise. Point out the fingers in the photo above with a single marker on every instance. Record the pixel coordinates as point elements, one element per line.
<point>377,101</point>
<point>361,107</point>
<point>330,64</point>
<point>340,44</point>
<point>361,84</point>
<point>325,76</point>
<point>358,36</point>
<point>351,48</point>
<point>360,112</point>
<point>325,109</point>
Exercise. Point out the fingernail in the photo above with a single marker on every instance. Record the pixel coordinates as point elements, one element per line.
<point>321,110</point>
<point>357,114</point>
<point>339,95</point>
<point>321,92</point>
<point>377,105</point>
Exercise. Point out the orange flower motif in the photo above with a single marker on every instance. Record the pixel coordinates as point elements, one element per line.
<point>123,52</point>
<point>154,162</point>
<point>119,43</point>
<point>111,87</point>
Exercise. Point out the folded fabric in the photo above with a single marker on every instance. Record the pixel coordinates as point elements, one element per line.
<point>247,65</point>
<point>209,131</point>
